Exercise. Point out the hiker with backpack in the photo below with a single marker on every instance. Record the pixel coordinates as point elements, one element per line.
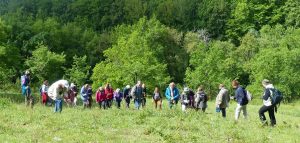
<point>157,98</point>
<point>185,99</point>
<point>126,95</point>
<point>85,96</point>
<point>222,100</point>
<point>144,95</point>
<point>271,98</point>
<point>137,94</point>
<point>44,92</point>
<point>172,94</point>
<point>118,97</point>
<point>109,92</point>
<point>26,91</point>
<point>101,98</point>
<point>201,99</point>
<point>57,91</point>
<point>241,98</point>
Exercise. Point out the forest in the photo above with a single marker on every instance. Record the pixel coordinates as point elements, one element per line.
<point>190,42</point>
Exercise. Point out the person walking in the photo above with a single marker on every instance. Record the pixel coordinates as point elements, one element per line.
<point>137,94</point>
<point>126,95</point>
<point>157,98</point>
<point>109,92</point>
<point>57,91</point>
<point>101,98</point>
<point>44,92</point>
<point>222,100</point>
<point>241,99</point>
<point>201,99</point>
<point>267,103</point>
<point>172,95</point>
<point>26,90</point>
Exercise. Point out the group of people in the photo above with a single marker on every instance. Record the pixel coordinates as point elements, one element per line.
<point>61,91</point>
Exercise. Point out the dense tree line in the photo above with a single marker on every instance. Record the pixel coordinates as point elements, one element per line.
<point>191,42</point>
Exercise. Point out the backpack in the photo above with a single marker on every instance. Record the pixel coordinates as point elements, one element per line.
<point>245,97</point>
<point>276,96</point>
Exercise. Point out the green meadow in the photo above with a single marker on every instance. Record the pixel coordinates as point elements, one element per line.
<point>40,124</point>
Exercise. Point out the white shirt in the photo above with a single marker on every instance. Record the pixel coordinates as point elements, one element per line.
<point>54,91</point>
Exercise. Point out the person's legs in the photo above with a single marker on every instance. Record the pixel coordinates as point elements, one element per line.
<point>183,107</point>
<point>203,109</point>
<point>100,104</point>
<point>55,105</point>
<point>60,105</point>
<point>223,112</point>
<point>44,98</point>
<point>272,116</point>
<point>245,111</point>
<point>261,112</point>
<point>159,104</point>
<point>137,103</point>
<point>237,112</point>
<point>170,104</point>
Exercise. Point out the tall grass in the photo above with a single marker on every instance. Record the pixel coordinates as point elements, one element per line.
<point>40,124</point>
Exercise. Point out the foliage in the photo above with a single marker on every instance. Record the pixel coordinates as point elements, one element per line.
<point>211,65</point>
<point>45,64</point>
<point>79,71</point>
<point>133,58</point>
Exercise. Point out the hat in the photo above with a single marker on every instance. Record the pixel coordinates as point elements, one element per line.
<point>118,89</point>
<point>27,72</point>
<point>265,82</point>
<point>186,89</point>
<point>72,85</point>
<point>127,86</point>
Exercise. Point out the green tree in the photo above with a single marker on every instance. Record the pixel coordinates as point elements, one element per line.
<point>134,56</point>
<point>79,71</point>
<point>212,64</point>
<point>45,64</point>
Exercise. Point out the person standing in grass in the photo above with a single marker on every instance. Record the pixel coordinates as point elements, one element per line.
<point>137,94</point>
<point>201,99</point>
<point>185,99</point>
<point>90,94</point>
<point>44,92</point>
<point>101,98</point>
<point>118,97</point>
<point>71,98</point>
<point>109,92</point>
<point>26,91</point>
<point>144,95</point>
<point>222,100</point>
<point>241,98</point>
<point>267,103</point>
<point>126,95</point>
<point>157,98</point>
<point>172,94</point>
<point>84,95</point>
<point>57,91</point>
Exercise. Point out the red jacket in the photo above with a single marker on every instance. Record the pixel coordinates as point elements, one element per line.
<point>100,96</point>
<point>109,92</point>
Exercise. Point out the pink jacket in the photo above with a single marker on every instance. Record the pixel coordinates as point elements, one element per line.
<point>100,96</point>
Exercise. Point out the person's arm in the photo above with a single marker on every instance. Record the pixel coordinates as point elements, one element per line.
<point>267,94</point>
<point>167,94</point>
<point>176,94</point>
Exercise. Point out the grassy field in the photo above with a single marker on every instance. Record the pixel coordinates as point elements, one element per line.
<point>40,124</point>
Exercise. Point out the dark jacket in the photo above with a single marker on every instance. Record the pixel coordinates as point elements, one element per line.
<point>241,96</point>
